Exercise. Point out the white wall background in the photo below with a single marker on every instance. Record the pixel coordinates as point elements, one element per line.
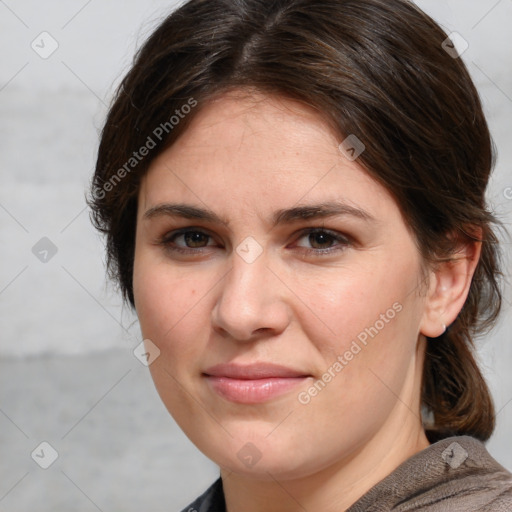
<point>51,111</point>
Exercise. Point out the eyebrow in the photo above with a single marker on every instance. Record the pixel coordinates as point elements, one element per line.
<point>284,216</point>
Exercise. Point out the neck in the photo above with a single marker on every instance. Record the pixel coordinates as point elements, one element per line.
<point>333,489</point>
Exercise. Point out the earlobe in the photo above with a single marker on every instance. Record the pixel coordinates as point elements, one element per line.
<point>450,282</point>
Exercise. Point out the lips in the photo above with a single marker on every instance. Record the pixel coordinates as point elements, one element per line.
<point>253,371</point>
<point>255,383</point>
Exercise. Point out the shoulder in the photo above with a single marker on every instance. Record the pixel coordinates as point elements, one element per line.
<point>485,482</point>
<point>212,500</point>
<point>456,474</point>
<point>502,503</point>
<point>465,477</point>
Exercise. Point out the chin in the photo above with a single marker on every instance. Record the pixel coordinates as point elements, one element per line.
<point>260,457</point>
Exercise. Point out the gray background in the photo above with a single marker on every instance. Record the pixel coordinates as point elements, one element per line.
<point>67,372</point>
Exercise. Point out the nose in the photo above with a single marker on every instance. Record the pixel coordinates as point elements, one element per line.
<point>252,302</point>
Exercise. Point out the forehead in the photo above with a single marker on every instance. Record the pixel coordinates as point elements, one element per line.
<point>249,118</point>
<point>257,151</point>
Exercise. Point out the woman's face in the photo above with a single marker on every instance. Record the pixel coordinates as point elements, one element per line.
<point>261,247</point>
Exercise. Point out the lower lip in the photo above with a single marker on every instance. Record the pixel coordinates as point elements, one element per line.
<point>253,391</point>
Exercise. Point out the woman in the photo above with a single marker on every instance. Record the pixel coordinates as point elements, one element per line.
<point>293,197</point>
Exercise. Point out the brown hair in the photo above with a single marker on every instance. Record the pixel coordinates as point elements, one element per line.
<point>377,69</point>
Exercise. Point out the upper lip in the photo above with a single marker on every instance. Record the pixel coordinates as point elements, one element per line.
<point>253,371</point>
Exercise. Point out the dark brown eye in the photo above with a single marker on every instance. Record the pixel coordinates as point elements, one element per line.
<point>322,242</point>
<point>187,240</point>
<point>195,239</point>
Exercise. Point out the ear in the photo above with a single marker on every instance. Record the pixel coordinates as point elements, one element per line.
<point>449,287</point>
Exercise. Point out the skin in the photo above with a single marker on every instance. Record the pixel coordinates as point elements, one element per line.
<point>244,157</point>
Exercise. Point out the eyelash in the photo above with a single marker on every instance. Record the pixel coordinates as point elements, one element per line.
<point>168,240</point>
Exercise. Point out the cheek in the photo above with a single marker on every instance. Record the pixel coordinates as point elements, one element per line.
<point>342,303</point>
<point>171,306</point>
<point>365,346</point>
<point>172,312</point>
<point>370,313</point>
